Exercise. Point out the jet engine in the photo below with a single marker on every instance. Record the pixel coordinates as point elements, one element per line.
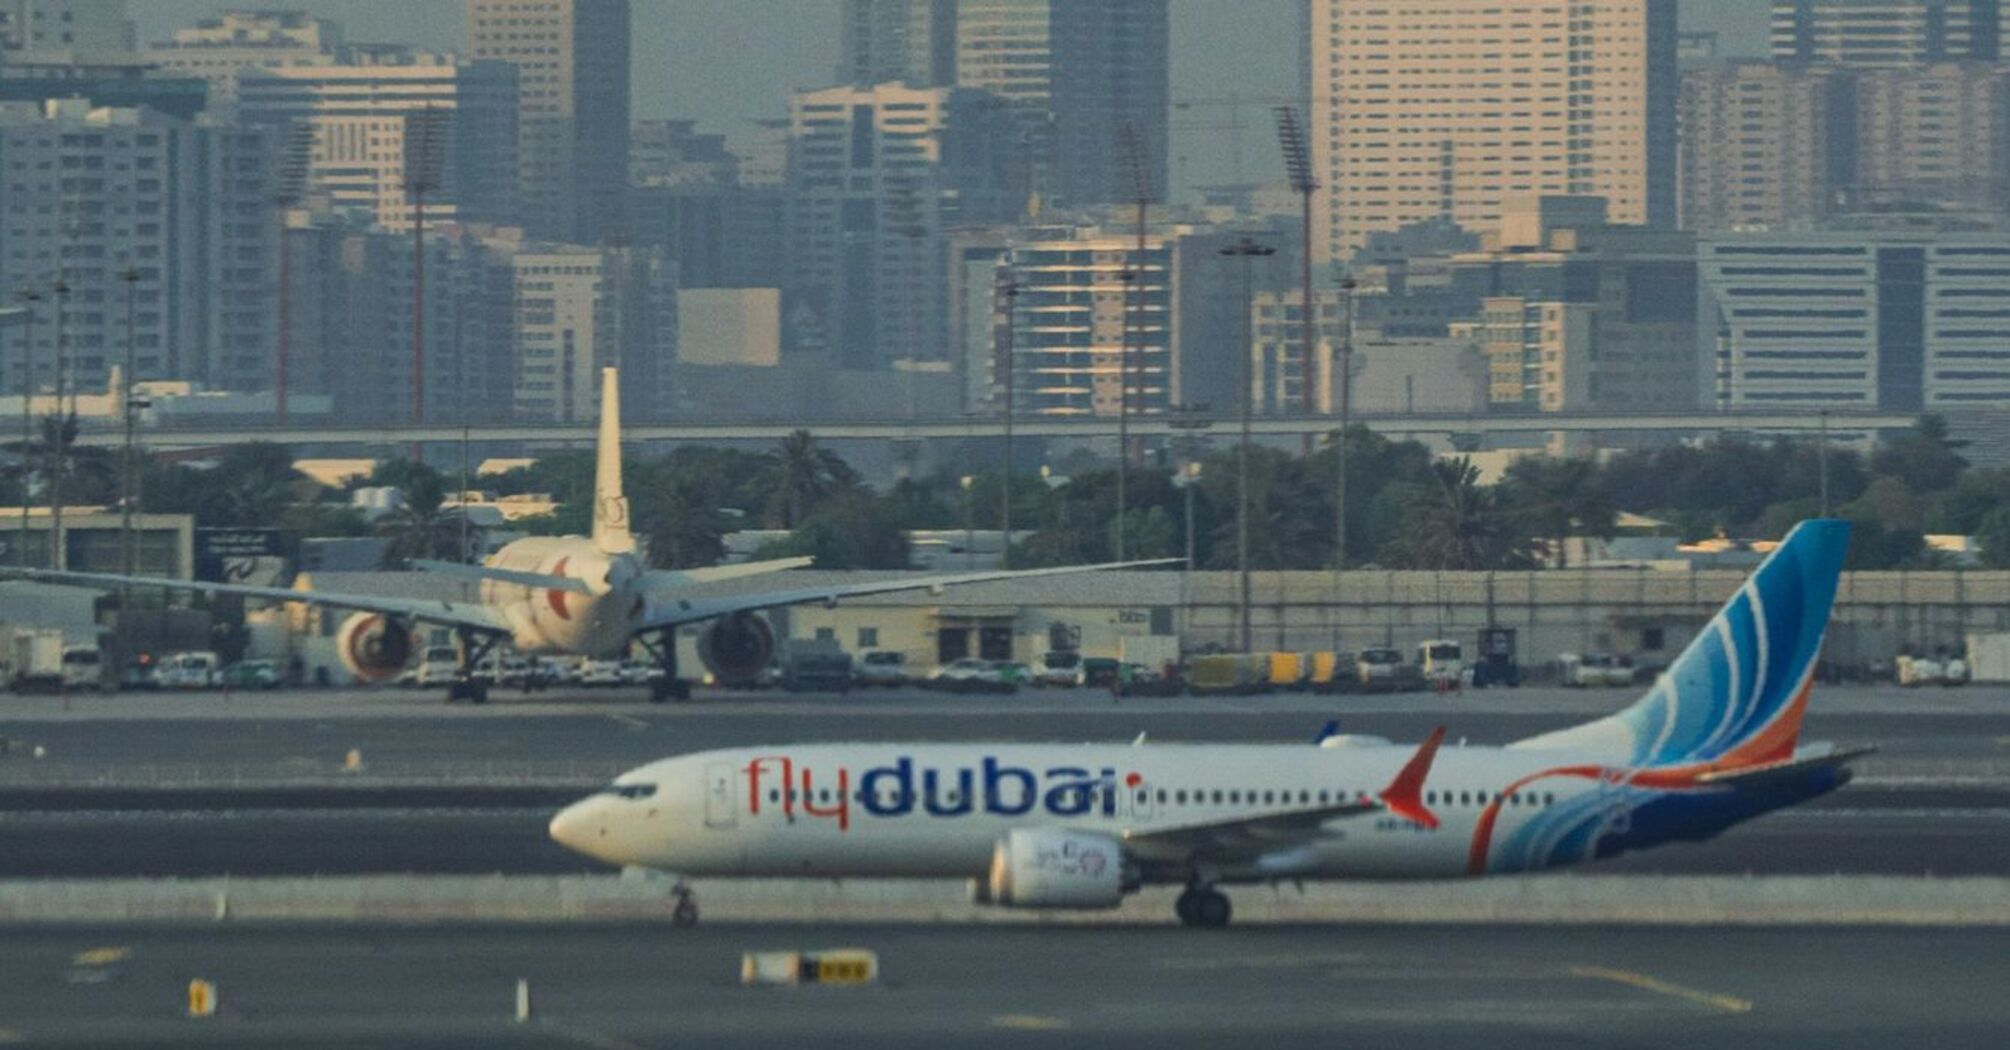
<point>374,647</point>
<point>737,647</point>
<point>1054,868</point>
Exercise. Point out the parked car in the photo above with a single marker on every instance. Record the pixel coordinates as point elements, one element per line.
<point>816,665</point>
<point>971,675</point>
<point>251,674</point>
<point>1099,672</point>
<point>1595,670</point>
<point>1061,669</point>
<point>600,673</point>
<point>880,667</point>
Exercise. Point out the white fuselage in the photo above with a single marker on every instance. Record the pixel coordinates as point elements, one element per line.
<point>730,813</point>
<point>595,624</point>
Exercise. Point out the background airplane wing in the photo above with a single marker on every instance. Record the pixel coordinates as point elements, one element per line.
<point>671,612</point>
<point>471,615</point>
<point>670,579</point>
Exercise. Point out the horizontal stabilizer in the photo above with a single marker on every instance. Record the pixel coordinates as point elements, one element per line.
<point>538,580</point>
<point>667,578</point>
<point>1811,758</point>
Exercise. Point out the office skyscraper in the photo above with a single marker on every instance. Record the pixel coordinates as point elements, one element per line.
<point>572,59</point>
<point>910,42</point>
<point>1886,32</point>
<point>1448,109</point>
<point>1082,74</point>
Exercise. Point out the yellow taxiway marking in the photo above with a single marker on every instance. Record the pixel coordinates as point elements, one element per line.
<point>1729,1004</point>
<point>1028,1023</point>
<point>101,956</point>
<point>9,1037</point>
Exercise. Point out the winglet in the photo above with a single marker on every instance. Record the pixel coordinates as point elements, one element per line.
<point>1329,730</point>
<point>1405,794</point>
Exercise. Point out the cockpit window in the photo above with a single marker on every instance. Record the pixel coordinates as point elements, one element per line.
<point>631,791</point>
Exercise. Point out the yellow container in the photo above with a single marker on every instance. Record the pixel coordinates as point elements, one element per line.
<point>1325,668</point>
<point>1286,669</point>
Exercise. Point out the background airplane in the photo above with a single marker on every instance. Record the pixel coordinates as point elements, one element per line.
<point>1714,743</point>
<point>572,595</point>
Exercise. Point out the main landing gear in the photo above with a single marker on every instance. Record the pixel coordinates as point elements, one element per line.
<point>669,687</point>
<point>465,686</point>
<point>1202,905</point>
<point>685,914</point>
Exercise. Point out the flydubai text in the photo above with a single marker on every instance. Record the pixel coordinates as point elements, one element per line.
<point>899,789</point>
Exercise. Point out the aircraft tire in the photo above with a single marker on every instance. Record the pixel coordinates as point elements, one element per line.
<point>1183,907</point>
<point>1211,909</point>
<point>685,915</point>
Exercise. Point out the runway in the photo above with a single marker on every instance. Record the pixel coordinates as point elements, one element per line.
<point>254,784</point>
<point>1493,987</point>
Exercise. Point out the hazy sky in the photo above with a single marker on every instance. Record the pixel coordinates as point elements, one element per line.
<point>728,62</point>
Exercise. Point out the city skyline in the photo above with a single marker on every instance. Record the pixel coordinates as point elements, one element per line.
<point>1218,50</point>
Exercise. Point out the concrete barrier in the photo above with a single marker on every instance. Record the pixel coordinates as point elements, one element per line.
<point>1555,899</point>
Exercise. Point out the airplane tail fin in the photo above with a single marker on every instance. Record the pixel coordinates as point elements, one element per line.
<point>610,506</point>
<point>1736,696</point>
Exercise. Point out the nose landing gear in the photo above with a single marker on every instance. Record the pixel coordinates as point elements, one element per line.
<point>685,914</point>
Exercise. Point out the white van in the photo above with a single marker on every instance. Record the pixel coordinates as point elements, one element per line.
<point>83,668</point>
<point>192,670</point>
<point>438,665</point>
<point>1442,661</point>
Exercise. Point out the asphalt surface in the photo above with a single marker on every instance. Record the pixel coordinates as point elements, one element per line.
<point>252,784</point>
<point>1492,987</point>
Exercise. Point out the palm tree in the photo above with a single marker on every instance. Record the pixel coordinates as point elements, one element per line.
<point>1456,524</point>
<point>89,474</point>
<point>1559,499</point>
<point>421,528</point>
<point>682,527</point>
<point>806,475</point>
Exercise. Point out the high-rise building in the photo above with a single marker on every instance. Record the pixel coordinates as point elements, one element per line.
<point>95,193</point>
<point>910,42</point>
<point>1896,321</point>
<point>572,60</point>
<point>1932,134</point>
<point>1760,145</point>
<point>580,309</point>
<point>84,27</point>
<point>1886,32</point>
<point>1085,304</point>
<point>217,49</point>
<point>1450,109</point>
<point>877,177</point>
<point>393,117</point>
<point>1088,78</point>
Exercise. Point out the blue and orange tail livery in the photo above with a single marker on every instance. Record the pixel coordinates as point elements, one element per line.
<point>1735,697</point>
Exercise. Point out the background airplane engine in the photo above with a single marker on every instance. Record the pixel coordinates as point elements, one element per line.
<point>737,647</point>
<point>1051,868</point>
<point>374,647</point>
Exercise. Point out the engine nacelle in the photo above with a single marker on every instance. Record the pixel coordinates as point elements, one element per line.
<point>1053,868</point>
<point>737,648</point>
<point>374,647</point>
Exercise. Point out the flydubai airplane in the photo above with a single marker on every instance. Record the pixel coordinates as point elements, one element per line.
<point>1715,742</point>
<point>573,595</point>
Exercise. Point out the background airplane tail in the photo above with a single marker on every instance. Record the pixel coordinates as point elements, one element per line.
<point>610,506</point>
<point>1735,697</point>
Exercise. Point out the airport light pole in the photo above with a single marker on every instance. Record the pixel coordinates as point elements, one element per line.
<point>1130,279</point>
<point>422,176</point>
<point>129,492</point>
<point>1008,290</point>
<point>1346,368</point>
<point>1822,461</point>
<point>969,481</point>
<point>1248,251</point>
<point>31,297</point>
<point>287,191</point>
<point>55,449</point>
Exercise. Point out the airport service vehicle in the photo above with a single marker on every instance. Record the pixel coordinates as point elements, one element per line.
<point>1227,674</point>
<point>964,676</point>
<point>191,670</point>
<point>1954,671</point>
<point>1060,669</point>
<point>1382,670</point>
<point>1442,661</point>
<point>83,668</point>
<point>816,665</point>
<point>1594,670</point>
<point>438,665</point>
<point>1715,742</point>
<point>579,596</point>
<point>1497,664</point>
<point>35,660</point>
<point>250,674</point>
<point>600,673</point>
<point>1918,670</point>
<point>880,667</point>
<point>1989,657</point>
<point>1156,651</point>
<point>1100,672</point>
<point>637,672</point>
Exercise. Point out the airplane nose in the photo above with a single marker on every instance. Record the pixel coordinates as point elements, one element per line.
<point>578,827</point>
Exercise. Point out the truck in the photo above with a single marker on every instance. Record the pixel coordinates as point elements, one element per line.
<point>35,660</point>
<point>1497,664</point>
<point>1228,674</point>
<point>1154,652</point>
<point>1382,670</point>
<point>83,668</point>
<point>1989,657</point>
<point>815,665</point>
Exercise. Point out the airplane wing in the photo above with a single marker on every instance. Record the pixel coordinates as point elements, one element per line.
<point>538,580</point>
<point>470,615</point>
<point>1245,838</point>
<point>666,579</point>
<point>671,612</point>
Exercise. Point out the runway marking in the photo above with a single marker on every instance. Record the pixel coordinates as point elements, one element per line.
<point>630,721</point>
<point>1729,1004</point>
<point>1029,1023</point>
<point>591,1040</point>
<point>1262,961</point>
<point>101,956</point>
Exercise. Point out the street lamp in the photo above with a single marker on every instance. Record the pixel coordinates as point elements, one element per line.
<point>31,297</point>
<point>1008,290</point>
<point>129,465</point>
<point>969,527</point>
<point>1346,363</point>
<point>1248,251</point>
